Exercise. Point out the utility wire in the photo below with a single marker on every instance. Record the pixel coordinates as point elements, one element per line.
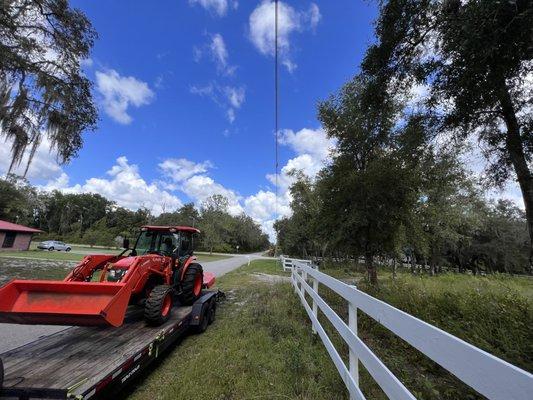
<point>276,100</point>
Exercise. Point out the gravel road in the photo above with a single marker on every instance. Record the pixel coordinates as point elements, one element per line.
<point>12,335</point>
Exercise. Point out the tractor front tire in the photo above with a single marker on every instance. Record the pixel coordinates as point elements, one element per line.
<point>158,306</point>
<point>191,285</point>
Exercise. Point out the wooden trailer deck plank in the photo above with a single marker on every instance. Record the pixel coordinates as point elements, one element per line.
<point>80,354</point>
<point>58,343</point>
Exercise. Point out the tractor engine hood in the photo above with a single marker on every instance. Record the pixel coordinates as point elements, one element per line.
<point>124,263</point>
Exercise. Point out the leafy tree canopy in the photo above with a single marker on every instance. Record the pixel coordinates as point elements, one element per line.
<point>476,60</point>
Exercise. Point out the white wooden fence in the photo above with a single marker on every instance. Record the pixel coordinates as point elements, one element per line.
<point>287,263</point>
<point>487,374</point>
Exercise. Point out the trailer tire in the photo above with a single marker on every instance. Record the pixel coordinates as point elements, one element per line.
<point>212,312</point>
<point>158,306</point>
<point>191,285</point>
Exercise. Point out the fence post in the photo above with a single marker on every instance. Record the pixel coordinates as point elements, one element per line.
<point>315,308</point>
<point>354,361</point>
<point>295,281</point>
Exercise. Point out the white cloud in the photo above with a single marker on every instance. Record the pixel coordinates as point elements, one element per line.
<point>218,7</point>
<point>314,15</point>
<point>312,150</point>
<point>262,205</point>
<point>262,28</point>
<point>218,52</point>
<point>125,186</point>
<point>119,92</point>
<point>208,90</point>
<point>235,95</point>
<point>158,83</point>
<point>59,183</point>
<point>44,165</point>
<point>191,178</point>
<point>231,115</point>
<point>200,187</point>
<point>311,141</point>
<point>181,169</point>
<point>86,62</point>
<point>229,98</point>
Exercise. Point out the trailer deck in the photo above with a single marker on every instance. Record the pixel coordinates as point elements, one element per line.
<point>88,362</point>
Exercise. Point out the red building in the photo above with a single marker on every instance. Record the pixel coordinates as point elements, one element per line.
<point>15,237</point>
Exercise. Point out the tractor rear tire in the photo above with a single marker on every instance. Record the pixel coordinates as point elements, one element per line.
<point>191,285</point>
<point>158,306</point>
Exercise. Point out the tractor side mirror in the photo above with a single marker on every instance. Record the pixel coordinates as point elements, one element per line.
<point>126,243</point>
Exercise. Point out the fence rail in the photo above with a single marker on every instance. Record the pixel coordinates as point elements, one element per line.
<point>490,376</point>
<point>288,263</point>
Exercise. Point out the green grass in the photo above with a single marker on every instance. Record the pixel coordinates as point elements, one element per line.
<point>15,268</point>
<point>210,257</point>
<point>42,255</point>
<point>260,347</point>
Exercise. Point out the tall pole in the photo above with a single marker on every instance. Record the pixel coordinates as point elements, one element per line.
<point>276,104</point>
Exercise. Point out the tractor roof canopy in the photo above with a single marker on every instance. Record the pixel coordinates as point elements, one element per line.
<point>170,228</point>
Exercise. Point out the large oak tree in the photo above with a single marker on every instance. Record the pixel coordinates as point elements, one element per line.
<point>476,59</point>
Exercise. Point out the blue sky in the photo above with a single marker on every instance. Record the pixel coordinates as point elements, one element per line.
<point>185,96</point>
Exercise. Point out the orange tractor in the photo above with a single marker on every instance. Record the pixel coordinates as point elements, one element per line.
<point>159,269</point>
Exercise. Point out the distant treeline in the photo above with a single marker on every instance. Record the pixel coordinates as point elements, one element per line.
<point>89,218</point>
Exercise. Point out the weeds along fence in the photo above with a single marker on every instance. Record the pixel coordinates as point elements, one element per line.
<point>490,376</point>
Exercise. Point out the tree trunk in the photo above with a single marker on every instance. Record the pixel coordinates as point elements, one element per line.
<point>394,268</point>
<point>432,264</point>
<point>371,269</point>
<point>515,150</point>
<point>413,263</point>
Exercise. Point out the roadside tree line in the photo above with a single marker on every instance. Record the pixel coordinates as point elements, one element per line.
<point>439,77</point>
<point>89,218</point>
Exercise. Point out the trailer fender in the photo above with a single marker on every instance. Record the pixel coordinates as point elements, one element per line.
<point>200,307</point>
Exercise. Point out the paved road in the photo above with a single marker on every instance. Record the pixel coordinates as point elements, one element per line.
<point>12,336</point>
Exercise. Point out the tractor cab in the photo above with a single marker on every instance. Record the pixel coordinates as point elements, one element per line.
<point>168,241</point>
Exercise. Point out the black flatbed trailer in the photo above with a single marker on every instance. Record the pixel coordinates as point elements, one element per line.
<point>96,362</point>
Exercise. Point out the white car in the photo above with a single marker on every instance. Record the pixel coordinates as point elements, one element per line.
<point>52,245</point>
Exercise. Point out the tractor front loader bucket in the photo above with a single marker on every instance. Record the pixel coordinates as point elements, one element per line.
<point>64,303</point>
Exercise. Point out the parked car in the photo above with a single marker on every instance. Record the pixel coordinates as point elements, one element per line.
<point>52,245</point>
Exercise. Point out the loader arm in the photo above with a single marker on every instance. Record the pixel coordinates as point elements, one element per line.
<point>85,269</point>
